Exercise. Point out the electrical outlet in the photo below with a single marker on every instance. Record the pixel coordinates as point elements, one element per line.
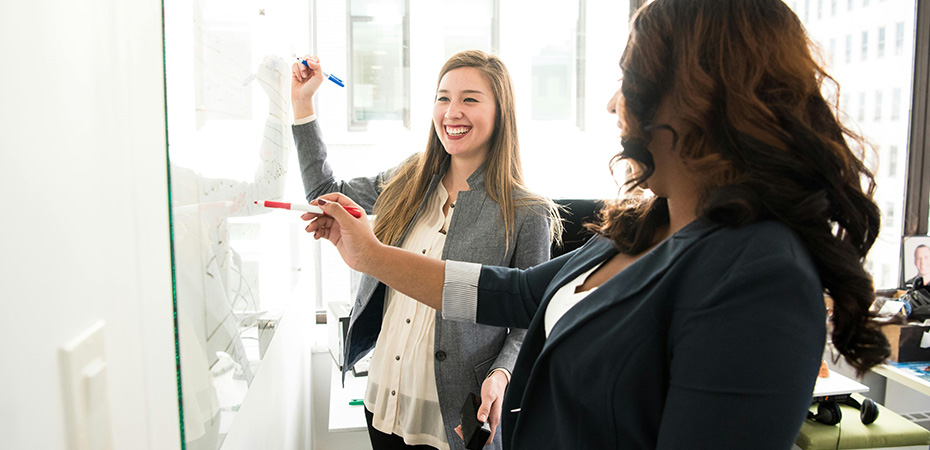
<point>87,404</point>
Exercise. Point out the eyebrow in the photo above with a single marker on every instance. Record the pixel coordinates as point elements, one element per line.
<point>466,91</point>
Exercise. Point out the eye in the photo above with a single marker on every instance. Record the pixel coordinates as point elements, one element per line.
<point>442,98</point>
<point>473,100</point>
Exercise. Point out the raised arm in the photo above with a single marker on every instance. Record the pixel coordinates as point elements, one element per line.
<point>516,293</point>
<point>315,172</point>
<point>415,275</point>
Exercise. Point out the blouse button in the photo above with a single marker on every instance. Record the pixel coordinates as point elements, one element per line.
<point>408,320</point>
<point>441,355</point>
<point>393,392</point>
<point>396,357</point>
<point>452,205</point>
<point>424,251</point>
<point>442,231</point>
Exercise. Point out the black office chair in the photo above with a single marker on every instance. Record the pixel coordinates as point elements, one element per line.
<point>575,213</point>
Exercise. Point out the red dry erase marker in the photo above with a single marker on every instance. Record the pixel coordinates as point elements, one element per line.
<point>308,208</point>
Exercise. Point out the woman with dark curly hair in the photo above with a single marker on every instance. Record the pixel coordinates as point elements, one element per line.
<point>695,318</point>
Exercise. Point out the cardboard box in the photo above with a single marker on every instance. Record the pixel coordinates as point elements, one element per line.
<point>909,343</point>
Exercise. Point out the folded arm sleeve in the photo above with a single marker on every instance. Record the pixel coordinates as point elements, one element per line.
<point>498,296</point>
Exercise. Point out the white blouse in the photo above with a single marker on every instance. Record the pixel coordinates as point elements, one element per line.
<point>565,298</point>
<point>402,394</point>
<point>460,294</point>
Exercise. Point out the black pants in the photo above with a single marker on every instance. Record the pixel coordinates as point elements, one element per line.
<point>382,441</point>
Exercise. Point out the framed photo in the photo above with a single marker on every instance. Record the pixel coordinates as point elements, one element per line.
<point>915,259</point>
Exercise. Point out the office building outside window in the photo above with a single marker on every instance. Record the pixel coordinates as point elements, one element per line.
<point>891,160</point>
<point>391,51</point>
<point>881,42</point>
<point>896,104</point>
<point>860,115</point>
<point>888,139</point>
<point>878,105</point>
<point>899,38</point>
<point>849,46</point>
<point>865,45</point>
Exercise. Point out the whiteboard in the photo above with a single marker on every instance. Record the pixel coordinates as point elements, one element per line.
<point>228,66</point>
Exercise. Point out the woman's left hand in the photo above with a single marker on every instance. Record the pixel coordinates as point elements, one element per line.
<point>492,397</point>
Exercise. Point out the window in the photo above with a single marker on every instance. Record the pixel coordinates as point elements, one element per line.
<point>889,138</point>
<point>891,161</point>
<point>896,104</point>
<point>475,27</point>
<point>832,53</point>
<point>899,38</point>
<point>379,64</point>
<point>881,42</point>
<point>555,64</point>
<point>393,51</point>
<point>832,8</point>
<point>888,214</point>
<point>860,116</point>
<point>849,46</point>
<point>865,45</point>
<point>878,105</point>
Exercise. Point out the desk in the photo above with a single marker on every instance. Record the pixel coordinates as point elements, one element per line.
<point>904,376</point>
<point>837,384</point>
<point>342,416</point>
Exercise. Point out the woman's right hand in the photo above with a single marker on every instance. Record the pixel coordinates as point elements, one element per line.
<point>353,237</point>
<point>305,80</point>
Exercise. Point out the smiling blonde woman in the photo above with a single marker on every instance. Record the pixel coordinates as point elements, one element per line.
<point>463,198</point>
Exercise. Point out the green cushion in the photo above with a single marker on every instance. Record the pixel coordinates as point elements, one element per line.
<point>889,430</point>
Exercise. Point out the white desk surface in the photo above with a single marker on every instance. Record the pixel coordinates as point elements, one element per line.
<point>837,384</point>
<point>342,416</point>
<point>904,377</point>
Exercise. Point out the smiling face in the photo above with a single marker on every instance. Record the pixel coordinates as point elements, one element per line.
<point>464,113</point>
<point>922,261</point>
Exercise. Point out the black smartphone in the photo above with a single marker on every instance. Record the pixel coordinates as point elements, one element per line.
<point>474,432</point>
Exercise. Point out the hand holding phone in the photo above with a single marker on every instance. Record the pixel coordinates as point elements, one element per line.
<point>474,432</point>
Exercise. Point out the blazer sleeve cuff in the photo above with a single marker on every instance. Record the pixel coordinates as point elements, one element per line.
<point>460,291</point>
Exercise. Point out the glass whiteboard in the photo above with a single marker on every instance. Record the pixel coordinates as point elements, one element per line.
<point>228,66</point>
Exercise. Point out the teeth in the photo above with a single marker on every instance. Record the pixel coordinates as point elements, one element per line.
<point>457,131</point>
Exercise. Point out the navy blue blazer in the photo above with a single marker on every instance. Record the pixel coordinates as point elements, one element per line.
<point>713,339</point>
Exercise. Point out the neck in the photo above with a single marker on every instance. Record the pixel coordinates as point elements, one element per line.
<point>682,209</point>
<point>459,170</point>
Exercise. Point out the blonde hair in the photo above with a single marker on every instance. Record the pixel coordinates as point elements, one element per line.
<point>504,172</point>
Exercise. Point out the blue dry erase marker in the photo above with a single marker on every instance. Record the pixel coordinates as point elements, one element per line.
<point>332,78</point>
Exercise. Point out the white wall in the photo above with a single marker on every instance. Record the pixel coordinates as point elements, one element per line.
<point>84,236</point>
<point>84,232</point>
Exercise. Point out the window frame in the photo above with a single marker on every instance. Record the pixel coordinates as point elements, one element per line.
<point>917,186</point>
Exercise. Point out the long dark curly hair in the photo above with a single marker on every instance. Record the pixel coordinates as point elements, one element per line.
<point>740,74</point>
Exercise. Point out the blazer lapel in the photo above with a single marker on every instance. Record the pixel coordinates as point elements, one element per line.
<point>628,283</point>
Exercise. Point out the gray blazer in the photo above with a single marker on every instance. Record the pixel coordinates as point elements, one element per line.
<point>465,353</point>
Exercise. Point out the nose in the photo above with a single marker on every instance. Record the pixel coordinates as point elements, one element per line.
<point>453,111</point>
<point>613,106</point>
